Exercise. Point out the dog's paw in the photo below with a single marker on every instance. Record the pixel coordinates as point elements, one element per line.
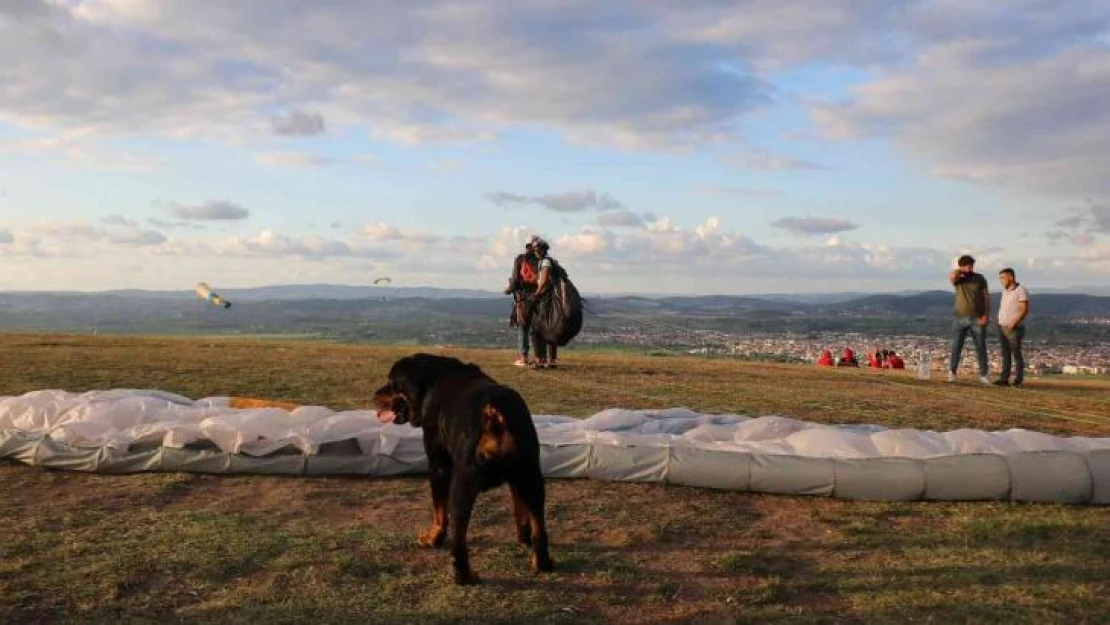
<point>467,578</point>
<point>542,564</point>
<point>524,536</point>
<point>432,538</point>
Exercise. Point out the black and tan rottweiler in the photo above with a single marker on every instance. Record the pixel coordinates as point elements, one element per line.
<point>478,435</point>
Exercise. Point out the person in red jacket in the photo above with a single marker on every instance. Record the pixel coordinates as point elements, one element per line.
<point>826,359</point>
<point>848,358</point>
<point>895,361</point>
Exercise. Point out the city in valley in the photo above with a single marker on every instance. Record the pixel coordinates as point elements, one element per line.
<point>1042,357</point>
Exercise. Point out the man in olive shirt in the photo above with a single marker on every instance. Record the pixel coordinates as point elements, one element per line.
<point>973,303</point>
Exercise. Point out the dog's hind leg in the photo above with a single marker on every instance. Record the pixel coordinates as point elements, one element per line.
<point>521,518</point>
<point>464,492</point>
<point>441,484</point>
<point>531,492</point>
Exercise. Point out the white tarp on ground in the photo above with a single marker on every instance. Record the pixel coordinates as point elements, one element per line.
<point>120,431</point>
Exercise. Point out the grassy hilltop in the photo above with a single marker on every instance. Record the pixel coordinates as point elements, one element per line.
<point>170,547</point>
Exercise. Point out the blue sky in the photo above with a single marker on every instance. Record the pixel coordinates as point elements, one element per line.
<point>730,147</point>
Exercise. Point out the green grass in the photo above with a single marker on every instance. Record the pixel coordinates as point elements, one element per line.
<point>200,548</point>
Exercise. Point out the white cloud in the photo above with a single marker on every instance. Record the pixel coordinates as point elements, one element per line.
<point>270,243</point>
<point>77,238</point>
<point>708,257</point>
<point>298,124</point>
<point>118,220</point>
<point>623,217</point>
<point>1011,98</point>
<point>297,159</point>
<point>210,210</point>
<point>741,191</point>
<point>1005,97</point>
<point>813,226</point>
<point>568,202</point>
<point>411,72</point>
<point>766,161</point>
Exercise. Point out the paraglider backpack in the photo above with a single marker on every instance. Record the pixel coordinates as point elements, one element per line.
<point>557,315</point>
<point>528,274</point>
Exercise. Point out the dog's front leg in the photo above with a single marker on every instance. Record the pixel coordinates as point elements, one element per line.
<point>464,492</point>
<point>441,485</point>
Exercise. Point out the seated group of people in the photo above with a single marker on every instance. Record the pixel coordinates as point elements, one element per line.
<point>885,359</point>
<point>878,359</point>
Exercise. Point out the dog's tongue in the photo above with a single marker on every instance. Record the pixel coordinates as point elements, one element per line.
<point>386,416</point>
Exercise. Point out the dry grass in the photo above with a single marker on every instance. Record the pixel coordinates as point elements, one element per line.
<point>181,547</point>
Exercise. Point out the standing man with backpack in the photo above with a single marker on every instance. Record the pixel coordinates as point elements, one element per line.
<point>973,304</point>
<point>546,351</point>
<point>522,284</point>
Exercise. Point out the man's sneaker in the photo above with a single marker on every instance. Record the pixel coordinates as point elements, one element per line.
<point>1017,385</point>
<point>520,362</point>
<point>951,376</point>
<point>985,380</point>
<point>1001,383</point>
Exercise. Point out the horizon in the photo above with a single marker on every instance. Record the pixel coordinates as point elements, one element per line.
<point>1093,291</point>
<point>732,148</point>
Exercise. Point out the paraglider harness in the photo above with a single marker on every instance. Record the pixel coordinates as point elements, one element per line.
<point>522,284</point>
<point>555,313</point>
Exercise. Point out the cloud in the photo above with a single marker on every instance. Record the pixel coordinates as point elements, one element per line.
<point>708,257</point>
<point>766,161</point>
<point>118,220</point>
<point>297,124</point>
<point>1081,225</point>
<point>77,149</point>
<point>335,225</point>
<point>383,232</point>
<point>271,243</point>
<point>297,159</point>
<point>448,165</point>
<point>741,191</point>
<point>211,210</point>
<point>569,202</point>
<point>1011,99</point>
<point>411,72</point>
<point>623,217</point>
<point>77,238</point>
<point>811,226</point>
<point>136,236</point>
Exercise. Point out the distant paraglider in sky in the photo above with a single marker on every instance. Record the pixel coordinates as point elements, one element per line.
<point>205,292</point>
<point>383,281</point>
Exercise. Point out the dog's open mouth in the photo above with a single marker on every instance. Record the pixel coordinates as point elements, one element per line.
<point>392,407</point>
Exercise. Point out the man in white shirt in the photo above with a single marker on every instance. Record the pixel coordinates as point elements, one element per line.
<point>1011,329</point>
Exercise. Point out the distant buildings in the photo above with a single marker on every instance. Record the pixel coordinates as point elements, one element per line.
<point>1043,358</point>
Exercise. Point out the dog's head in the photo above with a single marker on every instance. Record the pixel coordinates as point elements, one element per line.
<point>401,399</point>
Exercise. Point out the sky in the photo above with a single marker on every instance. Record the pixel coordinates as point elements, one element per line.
<point>707,146</point>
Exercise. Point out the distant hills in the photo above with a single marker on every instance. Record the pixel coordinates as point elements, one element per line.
<point>426,314</point>
<point>286,292</point>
